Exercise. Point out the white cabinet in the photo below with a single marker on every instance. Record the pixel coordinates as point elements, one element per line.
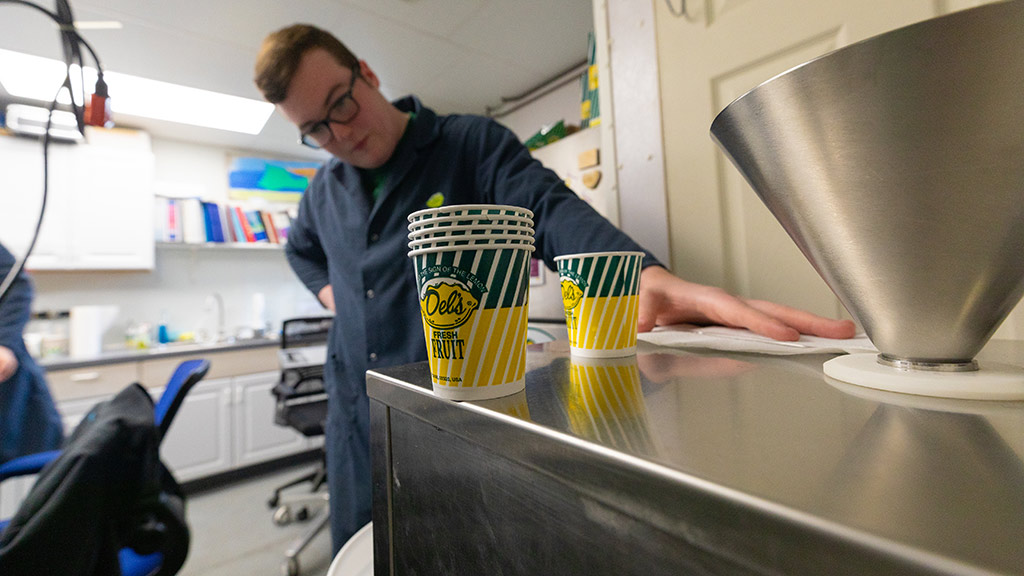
<point>257,438</point>
<point>225,422</point>
<point>14,490</point>
<point>198,442</point>
<point>99,201</point>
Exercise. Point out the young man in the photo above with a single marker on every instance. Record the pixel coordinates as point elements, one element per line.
<point>348,244</point>
<point>29,421</point>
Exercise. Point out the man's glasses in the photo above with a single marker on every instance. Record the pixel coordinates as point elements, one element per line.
<point>343,111</point>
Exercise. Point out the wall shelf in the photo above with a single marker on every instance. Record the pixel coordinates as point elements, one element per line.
<point>221,246</point>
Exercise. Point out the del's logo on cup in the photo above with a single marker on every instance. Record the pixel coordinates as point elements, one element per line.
<point>572,290</point>
<point>447,304</point>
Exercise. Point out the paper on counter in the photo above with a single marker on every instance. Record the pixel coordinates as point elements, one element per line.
<point>742,340</point>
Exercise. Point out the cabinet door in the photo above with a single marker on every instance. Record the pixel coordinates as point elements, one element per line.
<point>12,493</point>
<point>257,438</point>
<point>198,442</point>
<point>112,200</point>
<point>721,232</point>
<point>14,490</point>
<point>21,196</point>
<point>99,202</point>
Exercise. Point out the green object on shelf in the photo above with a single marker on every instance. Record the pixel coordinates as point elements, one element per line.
<point>590,106</point>
<point>546,135</point>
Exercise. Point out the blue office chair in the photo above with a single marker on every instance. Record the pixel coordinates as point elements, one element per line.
<point>158,530</point>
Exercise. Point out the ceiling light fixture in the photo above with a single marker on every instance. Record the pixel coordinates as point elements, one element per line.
<point>37,78</point>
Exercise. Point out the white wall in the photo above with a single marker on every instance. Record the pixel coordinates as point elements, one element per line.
<point>184,277</point>
<point>178,289</point>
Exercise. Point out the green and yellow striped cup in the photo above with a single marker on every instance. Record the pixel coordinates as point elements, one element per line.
<point>473,303</point>
<point>601,295</point>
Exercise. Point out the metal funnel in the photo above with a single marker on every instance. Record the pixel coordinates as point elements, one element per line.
<point>897,166</point>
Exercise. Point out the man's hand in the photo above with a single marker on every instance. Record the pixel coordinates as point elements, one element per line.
<point>326,297</point>
<point>666,299</point>
<point>8,363</point>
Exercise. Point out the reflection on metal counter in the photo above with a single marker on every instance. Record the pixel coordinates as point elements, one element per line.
<point>699,462</point>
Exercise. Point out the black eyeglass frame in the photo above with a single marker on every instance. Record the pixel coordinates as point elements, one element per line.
<point>308,139</point>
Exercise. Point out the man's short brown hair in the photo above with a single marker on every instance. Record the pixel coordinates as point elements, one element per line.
<point>283,50</point>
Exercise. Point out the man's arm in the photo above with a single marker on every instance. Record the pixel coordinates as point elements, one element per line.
<point>16,307</point>
<point>306,255</point>
<point>561,217</point>
<point>666,299</point>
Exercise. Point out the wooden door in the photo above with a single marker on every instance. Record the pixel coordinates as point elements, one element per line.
<point>720,232</point>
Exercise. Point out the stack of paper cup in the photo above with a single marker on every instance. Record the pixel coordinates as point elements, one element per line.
<point>472,266</point>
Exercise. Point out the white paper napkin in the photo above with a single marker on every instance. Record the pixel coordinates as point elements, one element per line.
<point>742,340</point>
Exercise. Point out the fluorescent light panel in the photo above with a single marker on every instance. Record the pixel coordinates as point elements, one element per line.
<point>39,78</point>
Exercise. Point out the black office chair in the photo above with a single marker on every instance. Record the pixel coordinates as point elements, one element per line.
<point>301,404</point>
<point>104,503</point>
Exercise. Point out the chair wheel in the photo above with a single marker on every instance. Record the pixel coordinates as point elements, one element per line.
<point>291,567</point>
<point>283,516</point>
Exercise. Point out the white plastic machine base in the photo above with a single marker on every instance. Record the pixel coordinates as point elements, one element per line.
<point>992,381</point>
<point>356,557</point>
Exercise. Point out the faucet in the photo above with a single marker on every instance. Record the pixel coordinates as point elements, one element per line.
<point>216,300</point>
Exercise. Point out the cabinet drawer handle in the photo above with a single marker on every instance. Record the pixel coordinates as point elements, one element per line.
<point>85,376</point>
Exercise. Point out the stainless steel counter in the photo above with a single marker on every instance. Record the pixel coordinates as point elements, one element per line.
<point>694,463</point>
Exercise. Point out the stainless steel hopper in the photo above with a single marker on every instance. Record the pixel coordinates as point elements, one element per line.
<point>897,166</point>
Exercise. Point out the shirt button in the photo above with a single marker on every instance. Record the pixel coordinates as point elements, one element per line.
<point>373,356</point>
<point>374,237</point>
<point>370,294</point>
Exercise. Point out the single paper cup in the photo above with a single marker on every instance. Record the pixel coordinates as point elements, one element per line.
<point>605,403</point>
<point>601,296</point>
<point>473,303</point>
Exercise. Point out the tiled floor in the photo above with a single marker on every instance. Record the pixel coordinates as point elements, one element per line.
<point>233,533</point>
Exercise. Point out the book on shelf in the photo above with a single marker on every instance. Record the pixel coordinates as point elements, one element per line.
<point>268,225</point>
<point>213,218</point>
<point>192,220</point>
<point>242,226</point>
<point>259,233</point>
<point>193,226</point>
<point>282,222</point>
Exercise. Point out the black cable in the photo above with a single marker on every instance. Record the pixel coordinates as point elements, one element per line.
<point>71,44</point>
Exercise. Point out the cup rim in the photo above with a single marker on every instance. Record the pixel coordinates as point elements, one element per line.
<point>431,250</point>
<point>441,210</point>
<point>445,221</point>
<point>597,254</point>
<point>507,229</point>
<point>473,241</point>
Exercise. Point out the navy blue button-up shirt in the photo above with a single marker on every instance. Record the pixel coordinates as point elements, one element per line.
<point>343,238</point>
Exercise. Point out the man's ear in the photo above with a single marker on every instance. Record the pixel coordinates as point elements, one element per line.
<point>367,73</point>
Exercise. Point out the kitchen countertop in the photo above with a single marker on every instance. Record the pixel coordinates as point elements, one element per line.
<point>159,351</point>
<point>696,462</point>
